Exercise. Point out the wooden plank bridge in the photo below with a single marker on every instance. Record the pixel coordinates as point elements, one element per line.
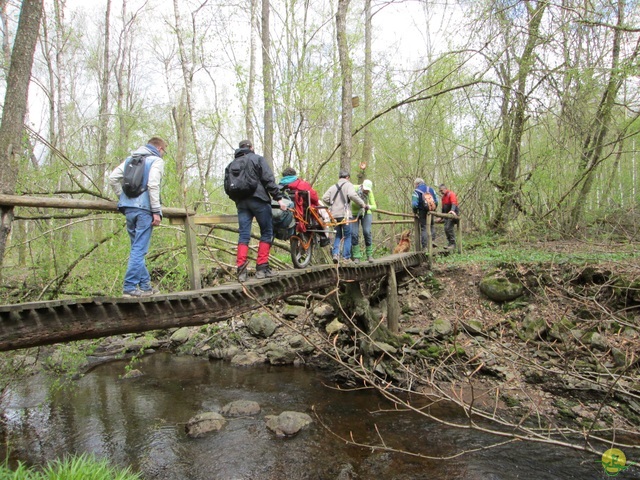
<point>43,323</point>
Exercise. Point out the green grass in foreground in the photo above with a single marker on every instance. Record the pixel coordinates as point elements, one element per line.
<point>83,467</point>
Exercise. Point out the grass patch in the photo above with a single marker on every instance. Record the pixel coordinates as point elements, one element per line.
<point>83,467</point>
<point>492,250</point>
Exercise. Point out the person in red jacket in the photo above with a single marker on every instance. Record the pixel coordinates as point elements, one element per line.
<point>449,205</point>
<point>292,182</point>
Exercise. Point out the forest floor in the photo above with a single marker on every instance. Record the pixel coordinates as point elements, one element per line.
<point>564,354</point>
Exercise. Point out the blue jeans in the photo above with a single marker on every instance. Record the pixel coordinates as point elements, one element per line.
<point>366,221</point>
<point>342,231</point>
<point>249,209</point>
<point>139,227</point>
<point>422,216</point>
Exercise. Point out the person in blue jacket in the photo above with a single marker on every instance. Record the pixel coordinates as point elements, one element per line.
<point>142,213</point>
<point>420,209</point>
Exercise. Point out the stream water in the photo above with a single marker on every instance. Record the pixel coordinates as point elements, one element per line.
<point>140,423</point>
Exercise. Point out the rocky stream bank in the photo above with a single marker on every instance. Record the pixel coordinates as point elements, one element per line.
<point>529,347</point>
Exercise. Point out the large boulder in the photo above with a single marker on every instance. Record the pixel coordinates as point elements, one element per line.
<point>288,423</point>
<point>241,408</point>
<point>440,328</point>
<point>181,335</point>
<point>204,423</point>
<point>247,359</point>
<point>497,287</point>
<point>261,325</point>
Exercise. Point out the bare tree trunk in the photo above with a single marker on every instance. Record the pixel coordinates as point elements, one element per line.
<point>103,113</point>
<point>15,108</point>
<point>6,44</point>
<point>347,88</point>
<point>251,83</point>
<point>181,122</point>
<point>268,85</point>
<point>595,139</point>
<point>187,74</point>
<point>60,74</point>
<point>509,190</point>
<point>367,147</point>
<point>125,64</point>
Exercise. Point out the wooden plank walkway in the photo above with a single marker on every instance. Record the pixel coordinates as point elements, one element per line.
<point>43,323</point>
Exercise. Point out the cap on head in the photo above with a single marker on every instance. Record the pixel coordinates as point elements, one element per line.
<point>344,174</point>
<point>246,144</point>
<point>288,172</point>
<point>367,185</point>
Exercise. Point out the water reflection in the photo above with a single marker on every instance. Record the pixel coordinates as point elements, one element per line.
<point>140,423</point>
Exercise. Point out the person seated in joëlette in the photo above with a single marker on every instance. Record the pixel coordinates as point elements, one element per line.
<point>291,181</point>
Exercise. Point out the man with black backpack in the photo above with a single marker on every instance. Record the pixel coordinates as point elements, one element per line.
<point>423,200</point>
<point>249,182</point>
<point>137,181</point>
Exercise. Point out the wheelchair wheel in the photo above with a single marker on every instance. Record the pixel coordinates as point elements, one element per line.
<point>301,256</point>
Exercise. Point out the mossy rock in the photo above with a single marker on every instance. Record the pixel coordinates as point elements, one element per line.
<point>534,328</point>
<point>499,288</point>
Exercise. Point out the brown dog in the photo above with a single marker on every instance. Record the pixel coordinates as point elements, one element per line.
<point>404,245</point>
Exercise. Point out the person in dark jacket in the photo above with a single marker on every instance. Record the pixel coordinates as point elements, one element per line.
<point>142,213</point>
<point>449,205</point>
<point>257,206</point>
<point>420,209</point>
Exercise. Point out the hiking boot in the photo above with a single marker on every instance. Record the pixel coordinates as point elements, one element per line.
<point>324,241</point>
<point>369,251</point>
<point>150,293</point>
<point>347,261</point>
<point>135,293</point>
<point>263,271</point>
<point>336,258</point>
<point>356,261</point>
<point>242,272</point>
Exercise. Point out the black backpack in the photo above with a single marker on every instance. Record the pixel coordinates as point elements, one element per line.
<point>136,176</point>
<point>241,178</point>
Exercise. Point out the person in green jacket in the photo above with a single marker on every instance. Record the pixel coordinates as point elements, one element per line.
<point>364,218</point>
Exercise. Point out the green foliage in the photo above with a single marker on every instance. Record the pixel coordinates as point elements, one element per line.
<point>142,343</point>
<point>495,250</point>
<point>431,281</point>
<point>433,351</point>
<point>517,304</point>
<point>67,362</point>
<point>83,467</point>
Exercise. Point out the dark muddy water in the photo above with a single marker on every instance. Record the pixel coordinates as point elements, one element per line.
<point>140,423</point>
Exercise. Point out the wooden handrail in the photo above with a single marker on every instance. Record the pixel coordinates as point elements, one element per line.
<point>75,203</point>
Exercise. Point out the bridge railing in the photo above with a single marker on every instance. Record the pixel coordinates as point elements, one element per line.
<point>183,216</point>
<point>189,220</point>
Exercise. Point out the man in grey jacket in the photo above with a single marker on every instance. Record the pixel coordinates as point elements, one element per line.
<point>339,198</point>
<point>142,213</point>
